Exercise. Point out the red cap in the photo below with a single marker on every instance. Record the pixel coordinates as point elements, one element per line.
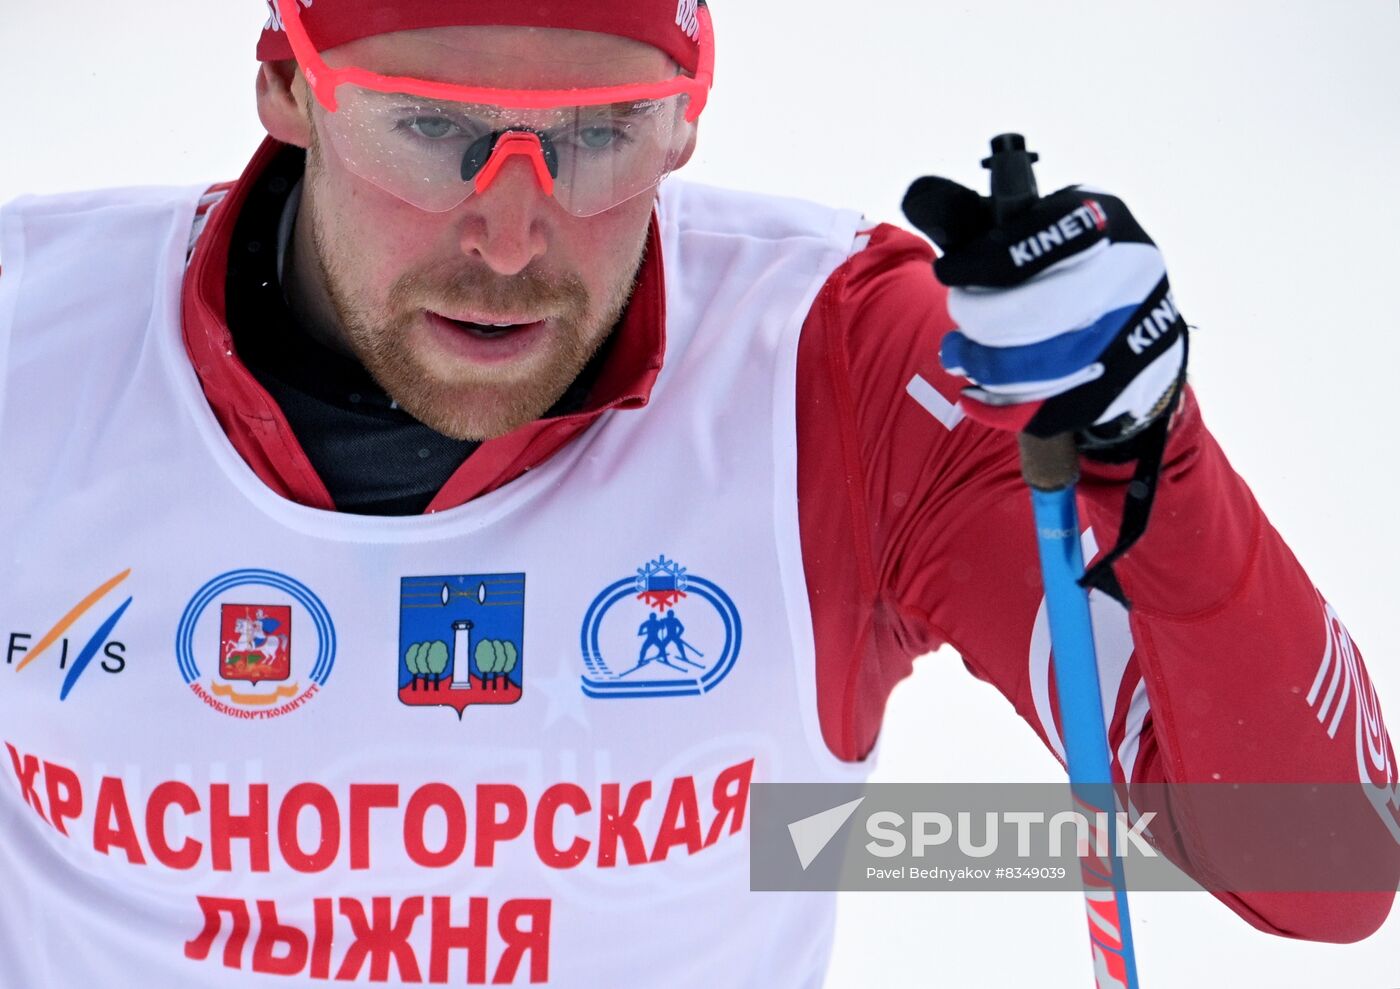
<point>670,25</point>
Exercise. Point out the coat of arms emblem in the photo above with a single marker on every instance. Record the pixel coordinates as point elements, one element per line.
<point>461,640</point>
<point>256,642</point>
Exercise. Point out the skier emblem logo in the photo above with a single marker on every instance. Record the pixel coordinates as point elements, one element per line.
<point>663,632</point>
<point>460,640</point>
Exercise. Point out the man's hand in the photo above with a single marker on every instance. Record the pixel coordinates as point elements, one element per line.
<point>1067,320</point>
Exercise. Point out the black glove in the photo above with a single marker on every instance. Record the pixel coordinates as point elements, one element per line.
<point>1066,318</point>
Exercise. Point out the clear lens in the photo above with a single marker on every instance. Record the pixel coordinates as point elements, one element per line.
<point>415,148</point>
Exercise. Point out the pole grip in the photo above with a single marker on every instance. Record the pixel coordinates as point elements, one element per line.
<point>1051,463</point>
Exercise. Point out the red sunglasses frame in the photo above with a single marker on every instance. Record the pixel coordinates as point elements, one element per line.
<point>324,80</point>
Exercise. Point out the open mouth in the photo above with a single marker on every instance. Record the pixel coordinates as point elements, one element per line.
<point>484,331</point>
<point>486,341</point>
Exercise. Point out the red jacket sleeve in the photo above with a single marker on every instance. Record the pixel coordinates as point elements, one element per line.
<point>916,531</point>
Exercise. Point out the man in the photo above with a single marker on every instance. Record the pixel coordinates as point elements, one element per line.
<point>449,339</point>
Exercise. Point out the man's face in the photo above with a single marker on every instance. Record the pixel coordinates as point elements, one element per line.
<point>407,286</point>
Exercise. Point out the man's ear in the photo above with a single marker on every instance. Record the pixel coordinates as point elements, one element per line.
<point>689,145</point>
<point>282,103</point>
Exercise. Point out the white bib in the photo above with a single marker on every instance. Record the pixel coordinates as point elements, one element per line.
<point>253,743</point>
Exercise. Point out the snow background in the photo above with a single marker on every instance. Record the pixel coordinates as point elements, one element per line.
<point>1258,142</point>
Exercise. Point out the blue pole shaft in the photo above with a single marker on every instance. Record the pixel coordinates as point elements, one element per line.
<point>1085,735</point>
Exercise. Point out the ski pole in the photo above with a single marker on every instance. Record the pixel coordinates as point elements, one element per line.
<point>1051,469</point>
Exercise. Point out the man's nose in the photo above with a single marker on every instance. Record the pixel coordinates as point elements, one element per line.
<point>505,226</point>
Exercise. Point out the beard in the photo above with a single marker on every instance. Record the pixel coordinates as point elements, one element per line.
<point>458,398</point>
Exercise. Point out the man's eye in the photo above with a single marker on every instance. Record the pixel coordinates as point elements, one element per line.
<point>432,128</point>
<point>598,138</point>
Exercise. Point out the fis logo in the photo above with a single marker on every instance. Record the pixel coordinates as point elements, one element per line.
<point>113,652</point>
<point>1072,226</point>
<point>688,18</point>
